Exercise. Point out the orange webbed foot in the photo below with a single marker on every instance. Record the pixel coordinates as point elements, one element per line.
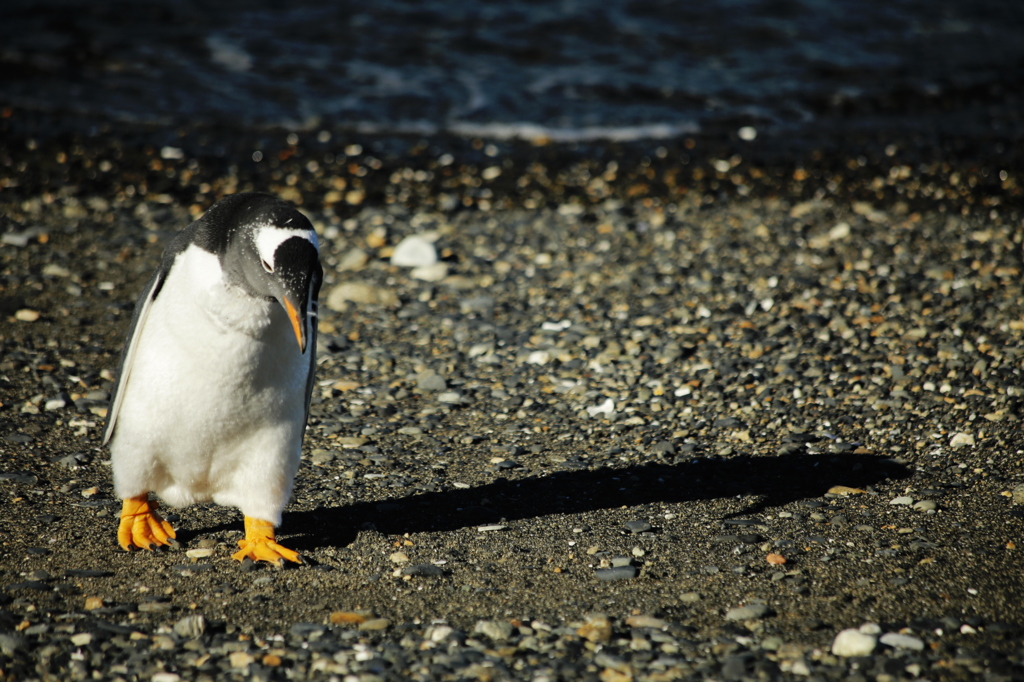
<point>141,526</point>
<point>260,544</point>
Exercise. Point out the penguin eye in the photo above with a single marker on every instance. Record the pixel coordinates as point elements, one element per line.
<point>266,265</point>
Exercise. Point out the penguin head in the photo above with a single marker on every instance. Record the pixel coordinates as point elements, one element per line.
<point>269,249</point>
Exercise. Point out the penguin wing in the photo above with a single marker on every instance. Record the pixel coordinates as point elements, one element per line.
<point>128,354</point>
<point>139,316</point>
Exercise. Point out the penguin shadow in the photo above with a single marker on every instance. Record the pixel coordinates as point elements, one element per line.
<point>775,481</point>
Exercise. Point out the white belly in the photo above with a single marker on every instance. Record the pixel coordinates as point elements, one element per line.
<point>214,405</point>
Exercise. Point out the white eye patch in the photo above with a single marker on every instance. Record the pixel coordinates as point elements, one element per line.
<point>269,238</point>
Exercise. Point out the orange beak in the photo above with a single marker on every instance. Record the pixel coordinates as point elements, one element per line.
<point>296,320</point>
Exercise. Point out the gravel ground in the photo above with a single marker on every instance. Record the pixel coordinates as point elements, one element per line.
<point>678,412</point>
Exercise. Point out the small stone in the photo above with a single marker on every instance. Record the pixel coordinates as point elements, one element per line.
<point>154,607</point>
<point>81,639</point>
<point>360,292</point>
<point>925,506</point>
<point>902,500</point>
<point>240,659</point>
<point>93,603</point>
<point>54,404</point>
<point>430,273</point>
<point>199,553</point>
<point>414,252</point>
<point>690,597</point>
<point>74,460</point>
<point>616,573</point>
<point>490,528</point>
<point>307,630</point>
<point>321,456</point>
<point>348,617</point>
<point>496,630</point>
<point>430,382</point>
<point>663,447</point>
<point>355,259</point>
<point>638,526</point>
<point>1017,495</point>
<point>449,397</point>
<point>896,640</point>
<point>605,408</point>
<point>845,490</point>
<point>851,642</point>
<point>645,622</point>
<point>961,439</point>
<point>375,624</point>
<point>538,357</point>
<point>190,627</point>
<point>87,573</point>
<point>164,676</point>
<point>597,628</point>
<point>26,315</point>
<point>748,612</point>
<point>399,558</point>
<point>776,559</point>
<point>423,570</point>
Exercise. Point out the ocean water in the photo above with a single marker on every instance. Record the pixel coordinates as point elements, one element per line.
<point>564,71</point>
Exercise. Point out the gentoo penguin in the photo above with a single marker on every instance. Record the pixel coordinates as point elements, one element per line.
<point>213,391</point>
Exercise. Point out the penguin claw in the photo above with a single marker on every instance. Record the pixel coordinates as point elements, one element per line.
<point>142,527</point>
<point>260,545</point>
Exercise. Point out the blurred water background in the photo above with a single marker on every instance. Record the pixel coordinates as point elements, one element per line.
<point>572,70</point>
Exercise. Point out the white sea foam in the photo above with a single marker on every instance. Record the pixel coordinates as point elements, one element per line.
<point>533,132</point>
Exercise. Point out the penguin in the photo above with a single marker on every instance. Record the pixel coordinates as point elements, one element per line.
<point>213,390</point>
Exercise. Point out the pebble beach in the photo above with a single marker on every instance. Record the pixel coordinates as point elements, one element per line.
<point>728,404</point>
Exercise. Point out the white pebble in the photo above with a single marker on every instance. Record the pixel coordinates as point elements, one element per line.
<point>26,315</point>
<point>430,273</point>
<point>904,500</point>
<point>748,612</point>
<point>439,633</point>
<point>852,642</point>
<point>961,439</point>
<point>81,639</point>
<point>414,252</point>
<point>538,357</point>
<point>607,407</point>
<point>896,640</point>
<point>747,133</point>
